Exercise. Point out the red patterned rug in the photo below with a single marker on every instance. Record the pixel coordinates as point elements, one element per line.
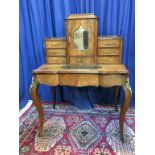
<point>71,131</point>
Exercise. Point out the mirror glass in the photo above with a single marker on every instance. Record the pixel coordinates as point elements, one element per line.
<point>81,39</point>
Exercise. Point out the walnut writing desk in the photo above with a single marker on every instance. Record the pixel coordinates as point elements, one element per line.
<point>82,59</point>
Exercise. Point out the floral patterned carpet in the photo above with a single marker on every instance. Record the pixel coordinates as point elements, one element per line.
<point>71,131</point>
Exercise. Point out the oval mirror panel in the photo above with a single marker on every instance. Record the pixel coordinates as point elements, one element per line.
<point>81,39</point>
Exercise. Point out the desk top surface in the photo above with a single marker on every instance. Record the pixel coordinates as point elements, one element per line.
<point>83,69</point>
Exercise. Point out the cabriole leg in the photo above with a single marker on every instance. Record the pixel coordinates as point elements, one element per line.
<point>116,97</point>
<point>54,96</point>
<point>125,105</point>
<point>36,102</point>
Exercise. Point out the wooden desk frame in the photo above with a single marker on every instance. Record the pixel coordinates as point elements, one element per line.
<point>41,78</point>
<point>106,58</point>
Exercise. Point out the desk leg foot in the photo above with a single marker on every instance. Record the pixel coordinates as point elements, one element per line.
<point>54,96</point>
<point>36,102</point>
<point>116,97</point>
<point>124,108</point>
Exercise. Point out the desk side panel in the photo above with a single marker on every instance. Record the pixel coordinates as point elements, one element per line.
<point>48,79</point>
<point>112,80</point>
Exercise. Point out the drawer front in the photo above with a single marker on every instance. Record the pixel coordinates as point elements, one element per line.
<point>56,60</point>
<point>81,60</point>
<point>56,52</point>
<point>109,43</point>
<point>108,60</point>
<point>55,44</point>
<point>108,51</point>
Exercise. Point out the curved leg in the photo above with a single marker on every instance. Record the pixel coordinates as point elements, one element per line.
<point>125,105</point>
<point>36,102</point>
<point>116,97</point>
<point>54,96</point>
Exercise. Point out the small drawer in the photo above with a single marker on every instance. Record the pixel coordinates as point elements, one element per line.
<point>109,43</point>
<point>56,52</point>
<point>108,51</point>
<point>55,43</point>
<point>81,60</point>
<point>56,60</point>
<point>108,60</point>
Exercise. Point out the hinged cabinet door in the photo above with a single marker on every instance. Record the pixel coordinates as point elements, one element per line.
<point>82,37</point>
